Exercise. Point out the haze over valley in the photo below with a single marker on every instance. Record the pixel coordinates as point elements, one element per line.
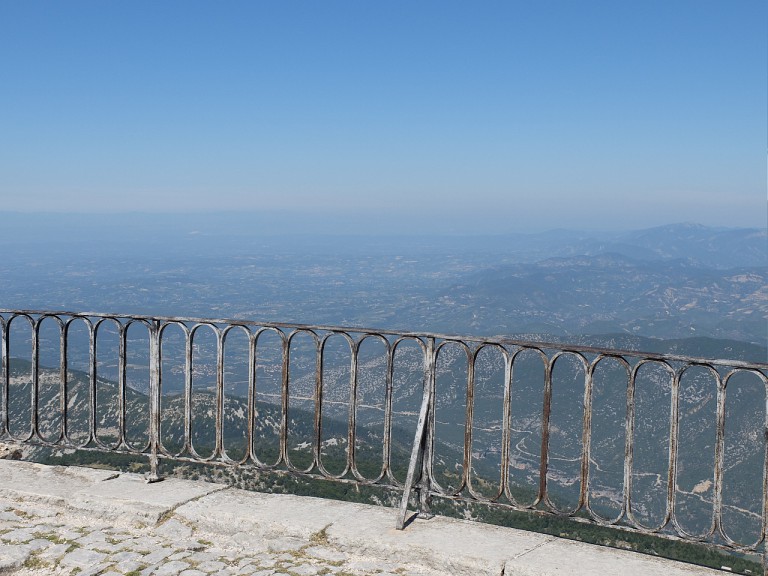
<point>668,282</point>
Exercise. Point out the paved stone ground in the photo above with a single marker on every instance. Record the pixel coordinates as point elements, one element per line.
<point>41,539</point>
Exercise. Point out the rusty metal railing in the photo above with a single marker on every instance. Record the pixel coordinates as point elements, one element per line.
<point>670,445</point>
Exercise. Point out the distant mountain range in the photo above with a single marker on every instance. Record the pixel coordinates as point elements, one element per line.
<point>611,292</point>
<point>721,248</point>
<point>715,247</point>
<point>244,233</point>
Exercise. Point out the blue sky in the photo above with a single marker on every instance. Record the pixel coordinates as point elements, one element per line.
<point>463,117</point>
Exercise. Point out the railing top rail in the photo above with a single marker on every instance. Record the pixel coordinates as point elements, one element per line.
<point>565,347</point>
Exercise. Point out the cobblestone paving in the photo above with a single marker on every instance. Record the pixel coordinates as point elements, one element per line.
<point>39,539</point>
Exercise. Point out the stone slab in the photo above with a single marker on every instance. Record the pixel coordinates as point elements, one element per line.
<point>452,546</point>
<point>565,557</point>
<point>445,544</point>
<point>13,557</point>
<point>110,494</point>
<point>38,482</point>
<point>129,497</point>
<point>265,515</point>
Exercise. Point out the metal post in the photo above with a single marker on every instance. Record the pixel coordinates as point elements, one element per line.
<point>154,401</point>
<point>546,413</point>
<point>428,438</point>
<point>6,379</point>
<point>34,408</point>
<point>92,376</point>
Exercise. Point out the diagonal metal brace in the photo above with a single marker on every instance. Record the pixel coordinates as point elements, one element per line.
<point>416,454</point>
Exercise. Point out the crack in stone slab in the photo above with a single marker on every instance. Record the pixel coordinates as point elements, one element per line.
<point>536,547</point>
<point>165,516</point>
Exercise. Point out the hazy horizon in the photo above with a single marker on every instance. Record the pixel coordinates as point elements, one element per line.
<point>302,223</point>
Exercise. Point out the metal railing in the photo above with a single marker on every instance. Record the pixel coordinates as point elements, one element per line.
<point>669,445</point>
